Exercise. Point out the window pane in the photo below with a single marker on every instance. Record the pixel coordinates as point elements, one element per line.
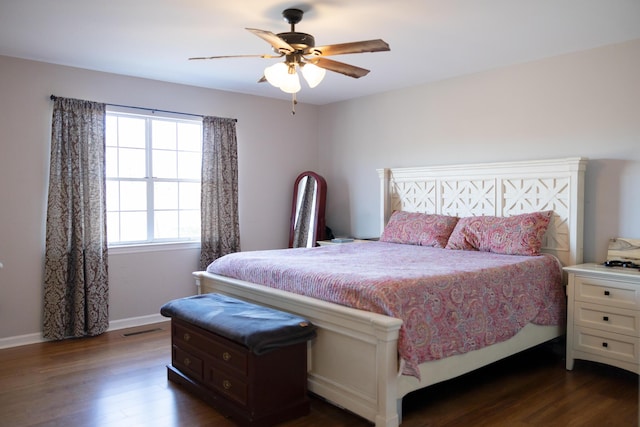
<point>189,195</point>
<point>111,160</point>
<point>131,163</point>
<point>189,165</point>
<point>190,224</point>
<point>113,227</point>
<point>166,224</point>
<point>133,226</point>
<point>111,131</point>
<point>165,195</point>
<point>164,164</point>
<point>163,134</point>
<point>113,196</point>
<point>133,196</point>
<point>131,132</point>
<point>190,137</point>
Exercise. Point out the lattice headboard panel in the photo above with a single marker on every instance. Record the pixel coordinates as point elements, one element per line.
<point>499,189</point>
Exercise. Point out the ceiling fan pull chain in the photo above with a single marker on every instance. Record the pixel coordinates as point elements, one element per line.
<point>294,101</point>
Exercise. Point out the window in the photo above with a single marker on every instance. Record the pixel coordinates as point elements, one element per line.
<point>153,178</point>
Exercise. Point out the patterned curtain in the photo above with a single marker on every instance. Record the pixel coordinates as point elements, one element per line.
<point>219,198</point>
<point>75,272</point>
<point>305,214</point>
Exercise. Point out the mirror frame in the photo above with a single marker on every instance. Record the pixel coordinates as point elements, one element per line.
<point>319,232</point>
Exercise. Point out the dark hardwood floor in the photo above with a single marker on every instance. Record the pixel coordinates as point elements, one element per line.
<point>119,379</point>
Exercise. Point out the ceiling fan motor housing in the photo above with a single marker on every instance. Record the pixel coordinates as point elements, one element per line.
<point>298,41</point>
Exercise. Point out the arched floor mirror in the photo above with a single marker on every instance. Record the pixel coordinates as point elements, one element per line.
<point>307,211</point>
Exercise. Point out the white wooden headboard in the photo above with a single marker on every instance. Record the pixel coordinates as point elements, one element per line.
<point>498,189</point>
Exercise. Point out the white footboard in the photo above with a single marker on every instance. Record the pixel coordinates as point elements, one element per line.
<point>352,362</point>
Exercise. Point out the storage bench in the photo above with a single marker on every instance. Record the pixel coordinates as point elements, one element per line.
<point>248,361</point>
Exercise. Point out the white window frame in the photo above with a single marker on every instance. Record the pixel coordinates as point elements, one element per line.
<point>152,244</point>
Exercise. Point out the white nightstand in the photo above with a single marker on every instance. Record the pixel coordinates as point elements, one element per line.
<point>330,242</point>
<point>603,315</point>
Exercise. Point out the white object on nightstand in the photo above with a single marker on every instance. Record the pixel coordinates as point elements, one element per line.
<point>603,315</point>
<point>336,242</point>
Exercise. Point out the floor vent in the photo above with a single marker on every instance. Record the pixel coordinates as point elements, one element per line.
<point>146,331</point>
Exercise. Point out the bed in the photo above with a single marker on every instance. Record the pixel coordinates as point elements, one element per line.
<point>354,361</point>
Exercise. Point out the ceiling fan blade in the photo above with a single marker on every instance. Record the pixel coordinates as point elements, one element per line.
<point>353,47</point>
<point>236,56</point>
<point>339,67</point>
<point>278,44</point>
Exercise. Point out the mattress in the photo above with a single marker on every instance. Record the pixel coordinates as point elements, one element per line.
<point>450,301</point>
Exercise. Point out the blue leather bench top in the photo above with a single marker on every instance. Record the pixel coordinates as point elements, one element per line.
<point>258,328</point>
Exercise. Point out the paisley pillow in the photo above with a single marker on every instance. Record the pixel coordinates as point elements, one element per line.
<point>514,235</point>
<point>422,229</point>
<point>458,239</point>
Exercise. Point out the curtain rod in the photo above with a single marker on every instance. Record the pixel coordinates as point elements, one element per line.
<point>53,97</point>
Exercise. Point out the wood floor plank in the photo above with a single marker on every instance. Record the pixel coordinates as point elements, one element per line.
<point>117,380</point>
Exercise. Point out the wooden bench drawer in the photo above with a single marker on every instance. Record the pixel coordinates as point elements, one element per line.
<point>188,363</point>
<point>230,386</point>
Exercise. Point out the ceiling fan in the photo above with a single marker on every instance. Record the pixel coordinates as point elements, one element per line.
<point>300,52</point>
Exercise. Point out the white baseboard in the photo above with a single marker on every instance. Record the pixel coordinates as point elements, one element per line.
<point>136,321</point>
<point>21,340</point>
<point>113,326</point>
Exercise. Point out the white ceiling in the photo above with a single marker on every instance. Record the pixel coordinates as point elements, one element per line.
<point>430,40</point>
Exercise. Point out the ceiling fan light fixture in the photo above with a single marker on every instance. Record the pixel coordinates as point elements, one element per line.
<point>283,76</point>
<point>313,74</point>
<point>276,73</point>
<point>291,83</point>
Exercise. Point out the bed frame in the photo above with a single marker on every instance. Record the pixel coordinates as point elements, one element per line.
<point>353,362</point>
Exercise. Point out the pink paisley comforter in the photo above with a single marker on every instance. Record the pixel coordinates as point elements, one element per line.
<point>450,302</point>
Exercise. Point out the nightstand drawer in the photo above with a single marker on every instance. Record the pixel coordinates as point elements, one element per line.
<point>608,292</point>
<point>605,344</point>
<point>611,319</point>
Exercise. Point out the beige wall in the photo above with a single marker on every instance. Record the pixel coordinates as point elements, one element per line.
<point>139,283</point>
<point>584,104</point>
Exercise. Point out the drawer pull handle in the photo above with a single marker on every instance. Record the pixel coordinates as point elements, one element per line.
<point>605,345</point>
<point>605,318</point>
<point>226,356</point>
<point>226,384</point>
<point>186,336</point>
<point>187,361</point>
<point>607,293</point>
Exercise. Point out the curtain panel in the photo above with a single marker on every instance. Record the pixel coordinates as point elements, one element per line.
<point>75,271</point>
<point>219,197</point>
